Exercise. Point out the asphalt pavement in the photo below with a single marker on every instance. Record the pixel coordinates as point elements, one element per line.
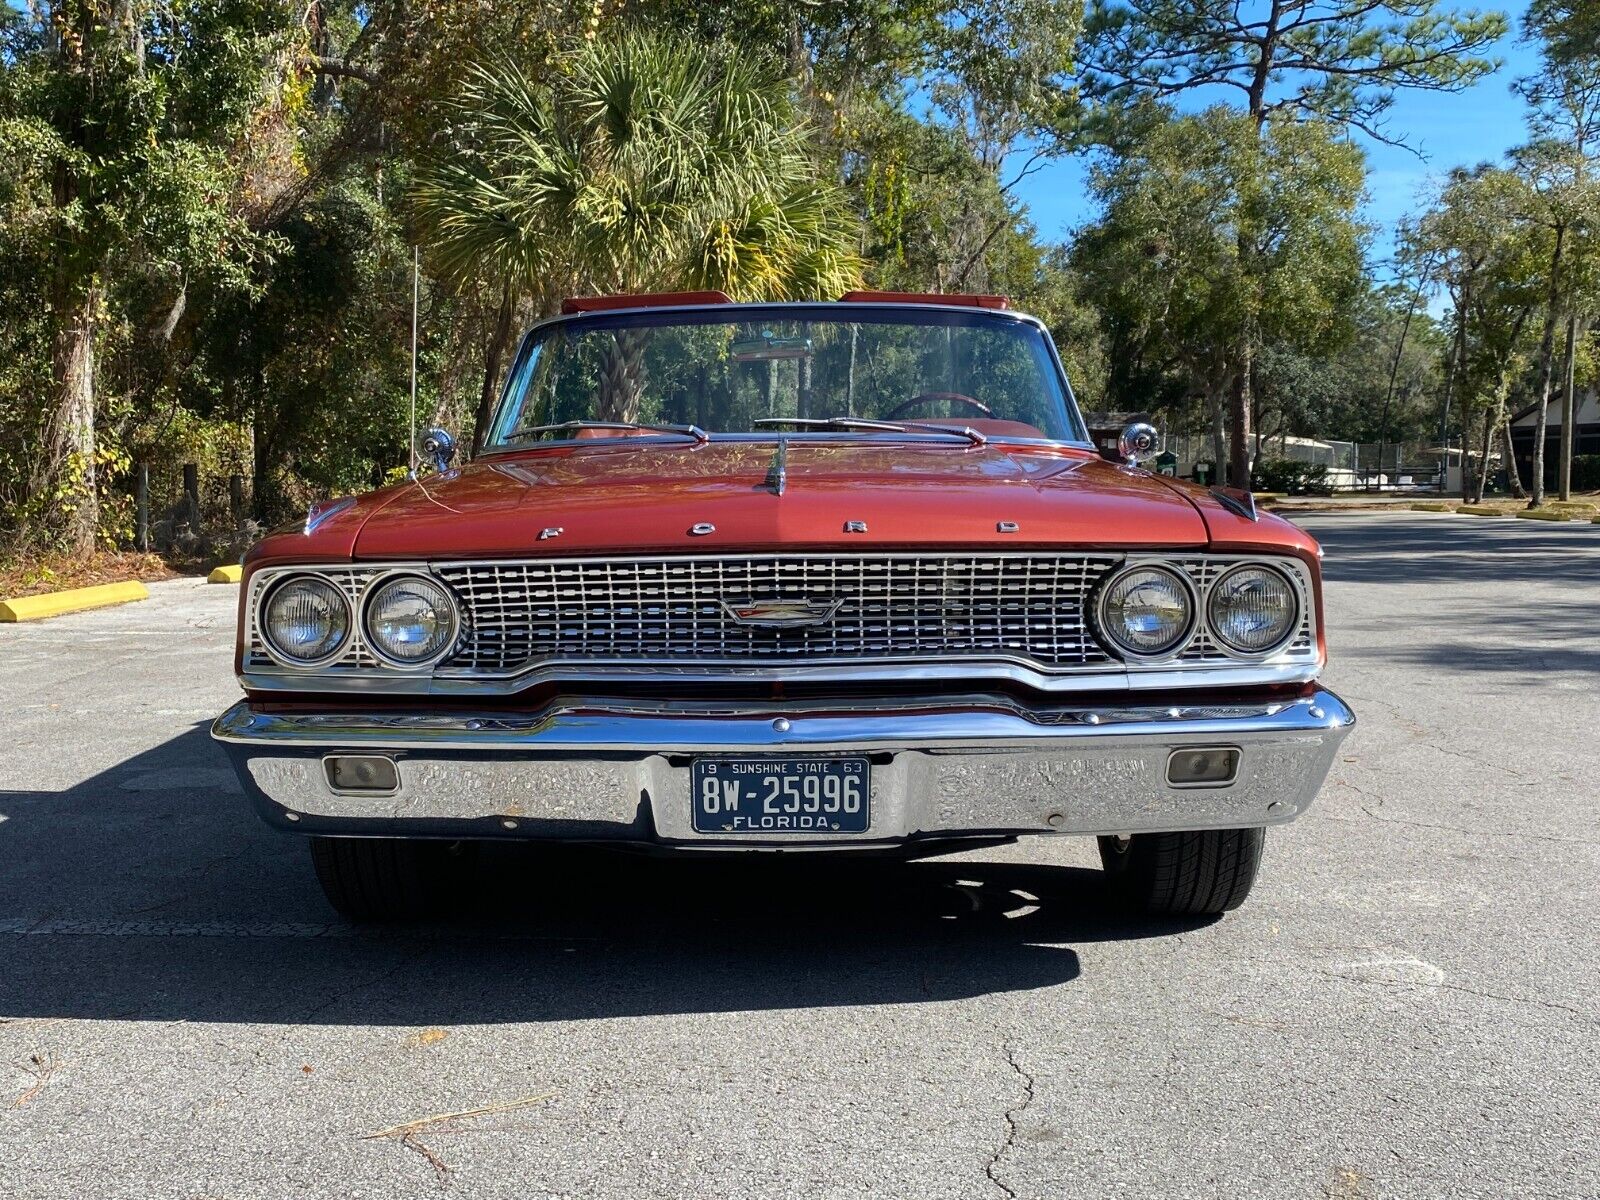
<point>1409,1005</point>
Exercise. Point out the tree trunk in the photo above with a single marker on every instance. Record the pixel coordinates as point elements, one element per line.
<point>1444,419</point>
<point>1219,434</point>
<point>1513,474</point>
<point>69,459</point>
<point>622,377</point>
<point>850,377</point>
<point>1239,460</point>
<point>264,497</point>
<point>1488,439</point>
<point>1546,365</point>
<point>1459,363</point>
<point>493,355</point>
<point>1569,408</point>
<point>803,399</point>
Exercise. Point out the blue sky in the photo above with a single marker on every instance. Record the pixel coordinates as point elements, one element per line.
<point>1449,130</point>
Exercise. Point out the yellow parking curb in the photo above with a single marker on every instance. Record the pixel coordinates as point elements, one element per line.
<point>54,604</point>
<point>1477,510</point>
<point>228,574</point>
<point>1543,514</point>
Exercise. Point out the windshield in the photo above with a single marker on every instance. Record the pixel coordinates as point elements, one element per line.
<point>783,370</point>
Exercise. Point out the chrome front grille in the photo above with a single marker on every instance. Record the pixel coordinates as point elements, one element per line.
<point>886,617</point>
<point>1028,607</point>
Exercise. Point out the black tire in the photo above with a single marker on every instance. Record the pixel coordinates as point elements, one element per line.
<point>1203,873</point>
<point>385,879</point>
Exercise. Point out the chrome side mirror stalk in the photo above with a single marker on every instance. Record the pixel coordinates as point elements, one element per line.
<point>439,448</point>
<point>1138,443</point>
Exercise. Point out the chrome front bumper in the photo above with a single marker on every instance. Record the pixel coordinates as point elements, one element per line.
<point>608,770</point>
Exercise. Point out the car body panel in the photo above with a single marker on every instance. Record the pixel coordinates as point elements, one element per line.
<point>648,498</point>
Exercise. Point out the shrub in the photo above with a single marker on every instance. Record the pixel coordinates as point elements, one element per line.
<point>1290,477</point>
<point>1586,472</point>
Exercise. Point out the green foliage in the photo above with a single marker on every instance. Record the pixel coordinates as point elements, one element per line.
<point>321,351</point>
<point>117,181</point>
<point>641,163</point>
<point>207,212</point>
<point>1212,238</point>
<point>1586,472</point>
<point>1290,478</point>
<point>1339,62</point>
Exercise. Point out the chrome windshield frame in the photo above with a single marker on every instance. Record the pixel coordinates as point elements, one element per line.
<point>832,310</point>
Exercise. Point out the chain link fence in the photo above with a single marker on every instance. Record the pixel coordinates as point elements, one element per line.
<point>1341,466</point>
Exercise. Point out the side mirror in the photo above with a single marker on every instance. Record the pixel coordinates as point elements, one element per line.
<point>1138,443</point>
<point>438,447</point>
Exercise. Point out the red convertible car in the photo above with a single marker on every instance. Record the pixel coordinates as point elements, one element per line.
<point>844,577</point>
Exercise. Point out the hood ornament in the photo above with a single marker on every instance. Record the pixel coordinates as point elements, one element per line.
<point>1138,443</point>
<point>782,614</point>
<point>701,528</point>
<point>438,447</point>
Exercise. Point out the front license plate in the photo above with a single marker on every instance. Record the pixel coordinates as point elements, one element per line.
<point>781,795</point>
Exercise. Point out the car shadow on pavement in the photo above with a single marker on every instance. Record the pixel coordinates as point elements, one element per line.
<point>151,892</point>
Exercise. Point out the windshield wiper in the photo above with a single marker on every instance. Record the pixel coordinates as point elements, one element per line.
<point>961,431</point>
<point>690,431</point>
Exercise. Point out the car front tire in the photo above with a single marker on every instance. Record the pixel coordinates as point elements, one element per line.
<point>1202,873</point>
<point>385,879</point>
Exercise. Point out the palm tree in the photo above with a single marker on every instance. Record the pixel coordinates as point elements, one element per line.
<point>638,163</point>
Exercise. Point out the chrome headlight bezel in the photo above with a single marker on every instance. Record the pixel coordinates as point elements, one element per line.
<point>376,648</point>
<point>264,622</point>
<point>1185,587</point>
<point>1291,629</point>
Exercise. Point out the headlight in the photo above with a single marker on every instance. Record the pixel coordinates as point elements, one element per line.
<point>1253,610</point>
<point>306,620</point>
<point>410,621</point>
<point>1147,611</point>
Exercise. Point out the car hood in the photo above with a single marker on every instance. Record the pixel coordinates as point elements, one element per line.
<point>577,499</point>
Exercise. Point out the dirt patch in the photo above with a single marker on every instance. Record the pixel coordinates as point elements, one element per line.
<point>33,575</point>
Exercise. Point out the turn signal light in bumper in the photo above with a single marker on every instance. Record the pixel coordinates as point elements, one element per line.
<point>372,774</point>
<point>1202,767</point>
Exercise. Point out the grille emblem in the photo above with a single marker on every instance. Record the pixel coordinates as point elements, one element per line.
<point>781,614</point>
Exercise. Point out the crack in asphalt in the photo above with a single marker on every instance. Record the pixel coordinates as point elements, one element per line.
<point>1508,998</point>
<point>344,993</point>
<point>1425,736</point>
<point>1521,835</point>
<point>1440,986</point>
<point>992,1168</point>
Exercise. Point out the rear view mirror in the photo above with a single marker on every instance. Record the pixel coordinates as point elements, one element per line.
<point>768,348</point>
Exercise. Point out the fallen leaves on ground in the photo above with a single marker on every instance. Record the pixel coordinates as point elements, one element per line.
<point>408,1133</point>
<point>41,1067</point>
<point>35,574</point>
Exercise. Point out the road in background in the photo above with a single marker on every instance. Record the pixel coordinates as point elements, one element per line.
<point>1407,1006</point>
